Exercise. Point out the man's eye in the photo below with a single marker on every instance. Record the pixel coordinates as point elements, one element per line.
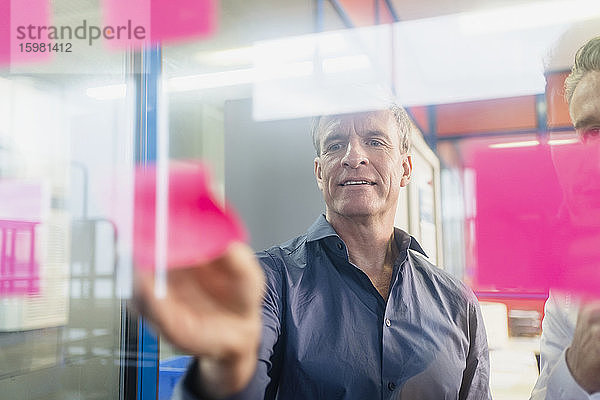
<point>375,143</point>
<point>334,147</point>
<point>589,134</point>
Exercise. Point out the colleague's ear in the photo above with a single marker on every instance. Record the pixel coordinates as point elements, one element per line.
<point>406,171</point>
<point>318,173</point>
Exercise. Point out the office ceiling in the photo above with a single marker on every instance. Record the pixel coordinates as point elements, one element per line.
<point>240,23</point>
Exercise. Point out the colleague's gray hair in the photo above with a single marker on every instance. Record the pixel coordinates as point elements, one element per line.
<point>587,59</point>
<point>403,122</point>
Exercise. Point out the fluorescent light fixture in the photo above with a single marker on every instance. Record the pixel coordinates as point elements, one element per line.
<point>306,47</point>
<point>238,77</point>
<point>526,143</point>
<point>559,142</point>
<point>527,16</point>
<point>437,62</point>
<point>346,63</point>
<point>211,80</point>
<point>326,73</point>
<point>285,70</point>
<point>230,57</point>
<point>109,92</point>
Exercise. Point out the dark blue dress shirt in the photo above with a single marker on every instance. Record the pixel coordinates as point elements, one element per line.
<point>329,334</point>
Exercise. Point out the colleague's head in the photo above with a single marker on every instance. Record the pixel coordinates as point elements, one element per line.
<point>587,59</point>
<point>578,165</point>
<point>362,161</point>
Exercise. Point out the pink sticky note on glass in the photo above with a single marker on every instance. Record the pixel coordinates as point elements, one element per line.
<point>126,23</point>
<point>4,32</point>
<point>198,229</point>
<point>156,21</point>
<point>19,268</point>
<point>537,217</point>
<point>28,32</point>
<point>182,19</point>
<point>517,199</point>
<point>577,234</point>
<point>24,203</point>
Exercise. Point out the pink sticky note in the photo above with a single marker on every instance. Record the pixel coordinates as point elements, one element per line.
<point>4,32</point>
<point>28,35</point>
<point>578,233</point>
<point>126,23</point>
<point>156,21</point>
<point>525,236</point>
<point>19,267</point>
<point>182,19</point>
<point>198,229</point>
<point>517,197</point>
<point>22,209</point>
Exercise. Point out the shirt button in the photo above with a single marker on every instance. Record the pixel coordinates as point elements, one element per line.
<point>391,386</point>
<point>388,322</point>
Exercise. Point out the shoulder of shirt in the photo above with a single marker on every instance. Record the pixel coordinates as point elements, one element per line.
<point>440,280</point>
<point>291,248</point>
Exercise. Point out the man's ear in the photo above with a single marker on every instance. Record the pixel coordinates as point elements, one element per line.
<point>318,172</point>
<point>406,171</point>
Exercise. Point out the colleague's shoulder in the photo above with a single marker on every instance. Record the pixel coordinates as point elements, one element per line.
<point>563,307</point>
<point>440,281</point>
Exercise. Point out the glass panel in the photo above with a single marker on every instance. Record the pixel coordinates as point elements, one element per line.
<point>241,102</point>
<point>66,168</point>
<point>482,72</point>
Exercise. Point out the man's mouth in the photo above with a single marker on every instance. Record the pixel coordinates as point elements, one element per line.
<point>356,183</point>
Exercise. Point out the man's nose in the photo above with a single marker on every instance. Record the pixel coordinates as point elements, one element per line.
<point>354,156</point>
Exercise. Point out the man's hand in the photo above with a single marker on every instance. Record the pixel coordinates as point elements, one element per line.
<point>583,357</point>
<point>211,311</point>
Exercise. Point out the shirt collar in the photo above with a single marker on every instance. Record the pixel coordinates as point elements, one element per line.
<point>321,229</point>
<point>405,241</point>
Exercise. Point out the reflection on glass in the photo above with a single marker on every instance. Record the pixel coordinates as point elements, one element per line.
<point>63,184</point>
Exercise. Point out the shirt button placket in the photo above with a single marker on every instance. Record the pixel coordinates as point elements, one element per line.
<point>387,339</point>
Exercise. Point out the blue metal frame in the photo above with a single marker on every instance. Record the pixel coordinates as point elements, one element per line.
<point>339,9</point>
<point>146,120</point>
<point>392,10</point>
<point>148,83</point>
<point>541,116</point>
<point>319,15</point>
<point>148,355</point>
<point>431,137</point>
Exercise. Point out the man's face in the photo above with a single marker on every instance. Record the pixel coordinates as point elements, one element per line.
<point>360,168</point>
<point>578,165</point>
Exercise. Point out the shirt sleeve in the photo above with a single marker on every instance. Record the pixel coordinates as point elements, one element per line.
<point>555,381</point>
<point>475,384</point>
<point>264,383</point>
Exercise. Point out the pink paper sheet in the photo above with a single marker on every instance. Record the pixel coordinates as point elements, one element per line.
<point>198,230</point>
<point>4,32</point>
<point>529,234</point>
<point>19,43</point>
<point>160,20</point>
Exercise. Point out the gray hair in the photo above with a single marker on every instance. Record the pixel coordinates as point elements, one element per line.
<point>587,59</point>
<point>403,122</point>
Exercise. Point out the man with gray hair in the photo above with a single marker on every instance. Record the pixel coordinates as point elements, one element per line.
<point>570,346</point>
<point>350,310</point>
